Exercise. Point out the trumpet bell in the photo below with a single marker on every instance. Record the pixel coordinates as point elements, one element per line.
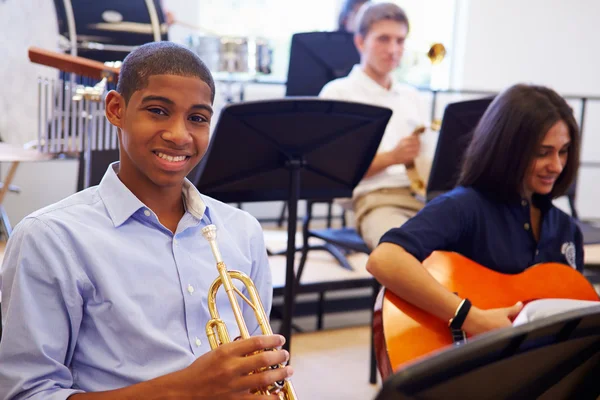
<point>436,53</point>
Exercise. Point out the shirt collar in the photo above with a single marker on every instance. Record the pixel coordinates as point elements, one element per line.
<point>121,203</point>
<point>543,202</point>
<point>361,76</point>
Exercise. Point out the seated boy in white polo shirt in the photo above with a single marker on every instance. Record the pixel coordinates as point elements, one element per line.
<point>383,200</point>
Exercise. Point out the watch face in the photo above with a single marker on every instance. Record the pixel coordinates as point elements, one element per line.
<point>458,337</point>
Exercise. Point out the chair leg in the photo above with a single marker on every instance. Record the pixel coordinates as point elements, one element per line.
<point>338,255</point>
<point>282,215</point>
<point>320,310</point>
<point>373,363</point>
<point>5,223</point>
<point>276,314</point>
<point>304,250</point>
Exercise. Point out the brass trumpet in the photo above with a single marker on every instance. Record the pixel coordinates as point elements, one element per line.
<point>436,53</point>
<point>216,331</point>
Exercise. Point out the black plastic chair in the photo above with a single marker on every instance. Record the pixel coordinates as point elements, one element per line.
<point>347,239</point>
<point>101,159</point>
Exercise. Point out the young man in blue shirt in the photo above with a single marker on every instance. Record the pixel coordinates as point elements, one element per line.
<point>105,292</point>
<point>524,154</point>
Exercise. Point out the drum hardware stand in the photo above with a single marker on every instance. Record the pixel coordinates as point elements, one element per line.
<point>71,116</point>
<point>93,95</point>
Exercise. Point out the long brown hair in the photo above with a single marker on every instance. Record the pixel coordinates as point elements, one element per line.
<point>508,136</point>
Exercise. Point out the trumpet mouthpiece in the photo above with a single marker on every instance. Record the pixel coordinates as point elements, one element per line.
<point>209,232</point>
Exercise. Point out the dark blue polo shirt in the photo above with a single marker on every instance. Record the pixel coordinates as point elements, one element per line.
<point>492,233</point>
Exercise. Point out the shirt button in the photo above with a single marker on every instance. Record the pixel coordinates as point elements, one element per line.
<point>526,226</point>
<point>175,242</point>
<point>190,289</point>
<point>537,252</point>
<point>147,213</point>
<point>198,342</point>
<point>524,203</point>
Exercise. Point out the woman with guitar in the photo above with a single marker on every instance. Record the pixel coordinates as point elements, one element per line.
<point>524,153</point>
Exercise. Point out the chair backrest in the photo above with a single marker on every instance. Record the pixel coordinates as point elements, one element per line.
<point>458,123</point>
<point>101,159</point>
<point>317,58</point>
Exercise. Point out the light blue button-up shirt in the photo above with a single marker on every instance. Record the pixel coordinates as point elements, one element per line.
<point>98,295</point>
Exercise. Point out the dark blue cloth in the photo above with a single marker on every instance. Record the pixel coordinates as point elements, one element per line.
<point>492,233</point>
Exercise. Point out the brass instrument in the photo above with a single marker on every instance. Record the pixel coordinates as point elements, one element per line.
<point>436,53</point>
<point>417,185</point>
<point>216,331</point>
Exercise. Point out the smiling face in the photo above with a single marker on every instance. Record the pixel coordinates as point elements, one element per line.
<point>549,161</point>
<point>163,131</point>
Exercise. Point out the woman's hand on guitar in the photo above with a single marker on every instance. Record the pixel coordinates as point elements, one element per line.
<point>480,321</point>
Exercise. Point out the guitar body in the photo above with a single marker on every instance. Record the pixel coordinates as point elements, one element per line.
<point>404,333</point>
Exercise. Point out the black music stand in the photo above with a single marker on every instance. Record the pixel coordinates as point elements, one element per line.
<point>317,58</point>
<point>290,149</point>
<point>553,358</point>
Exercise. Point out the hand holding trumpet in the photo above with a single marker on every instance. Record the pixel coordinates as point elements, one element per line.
<point>229,371</point>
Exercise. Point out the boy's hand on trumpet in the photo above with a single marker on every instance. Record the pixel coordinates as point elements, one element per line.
<point>229,371</point>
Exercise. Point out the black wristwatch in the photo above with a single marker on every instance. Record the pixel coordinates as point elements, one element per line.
<point>458,320</point>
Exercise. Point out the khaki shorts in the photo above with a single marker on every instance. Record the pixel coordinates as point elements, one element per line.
<point>395,197</point>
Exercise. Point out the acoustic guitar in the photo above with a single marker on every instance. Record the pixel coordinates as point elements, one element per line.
<point>404,334</point>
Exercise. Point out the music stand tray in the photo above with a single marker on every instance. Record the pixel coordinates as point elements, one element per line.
<point>290,149</point>
<point>553,358</point>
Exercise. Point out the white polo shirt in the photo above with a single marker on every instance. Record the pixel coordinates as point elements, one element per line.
<point>408,112</point>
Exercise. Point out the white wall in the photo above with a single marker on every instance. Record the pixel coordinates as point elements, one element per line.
<point>549,42</point>
<point>25,23</point>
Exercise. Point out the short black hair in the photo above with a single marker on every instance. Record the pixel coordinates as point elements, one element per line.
<point>160,58</point>
<point>508,136</point>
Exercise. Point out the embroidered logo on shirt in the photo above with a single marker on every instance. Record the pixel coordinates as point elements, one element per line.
<point>568,249</point>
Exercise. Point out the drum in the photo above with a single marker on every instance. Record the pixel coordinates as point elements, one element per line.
<point>208,48</point>
<point>233,54</point>
<point>264,56</point>
<point>108,30</point>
